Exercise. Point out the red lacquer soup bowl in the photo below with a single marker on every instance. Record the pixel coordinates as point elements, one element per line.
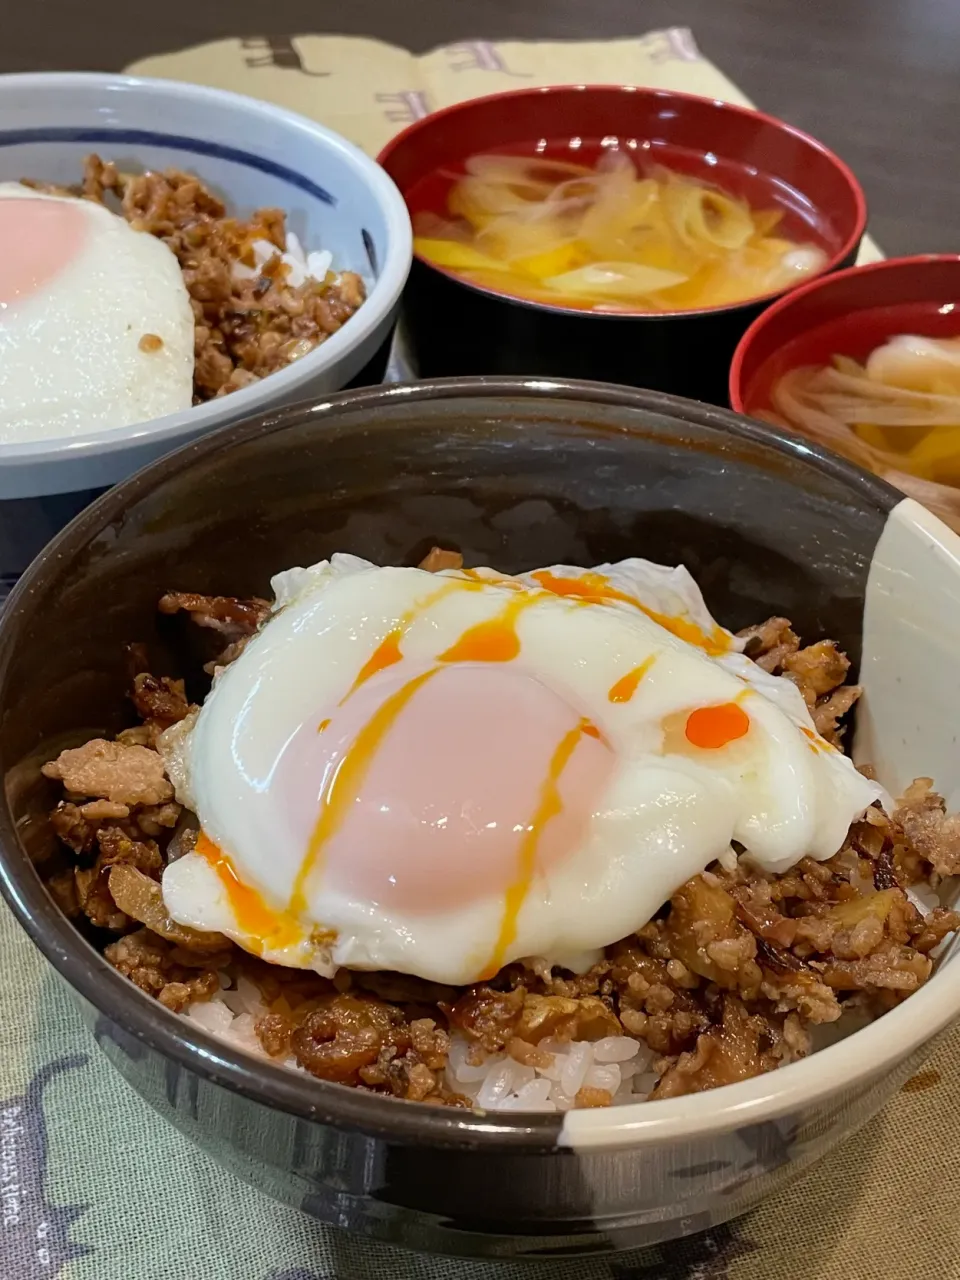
<point>849,313</point>
<point>457,327</point>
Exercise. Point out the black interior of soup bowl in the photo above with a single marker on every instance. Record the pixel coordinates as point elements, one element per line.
<point>514,473</point>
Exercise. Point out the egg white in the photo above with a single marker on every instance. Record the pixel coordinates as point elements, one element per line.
<point>664,816</point>
<point>70,360</point>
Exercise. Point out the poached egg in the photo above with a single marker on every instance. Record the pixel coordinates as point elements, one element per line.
<point>439,774</point>
<point>96,327</point>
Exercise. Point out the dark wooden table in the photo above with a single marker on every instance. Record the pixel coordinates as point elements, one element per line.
<point>877,80</point>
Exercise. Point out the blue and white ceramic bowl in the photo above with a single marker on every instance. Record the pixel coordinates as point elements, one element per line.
<point>253,155</point>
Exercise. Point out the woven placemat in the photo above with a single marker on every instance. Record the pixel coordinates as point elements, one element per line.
<point>93,1186</point>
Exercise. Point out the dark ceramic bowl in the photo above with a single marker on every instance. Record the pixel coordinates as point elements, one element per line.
<point>453,327</point>
<point>847,314</point>
<point>514,473</point>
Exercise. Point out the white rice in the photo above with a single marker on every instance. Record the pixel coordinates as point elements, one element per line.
<point>232,1016</point>
<point>619,1064</point>
<point>299,264</point>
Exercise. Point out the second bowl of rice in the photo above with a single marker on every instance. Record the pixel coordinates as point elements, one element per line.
<point>294,248</point>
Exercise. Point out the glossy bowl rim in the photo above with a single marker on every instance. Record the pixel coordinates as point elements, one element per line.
<point>853,1060</point>
<point>645,91</point>
<point>278,386</point>
<point>735,387</point>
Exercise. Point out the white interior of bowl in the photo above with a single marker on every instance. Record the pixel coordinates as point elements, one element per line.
<point>252,155</point>
<point>908,726</point>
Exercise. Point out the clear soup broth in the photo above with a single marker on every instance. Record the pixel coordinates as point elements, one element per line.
<point>617,225</point>
<point>881,386</point>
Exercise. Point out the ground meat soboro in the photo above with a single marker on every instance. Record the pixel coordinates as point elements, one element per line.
<point>123,775</point>
<point>727,982</point>
<point>246,325</point>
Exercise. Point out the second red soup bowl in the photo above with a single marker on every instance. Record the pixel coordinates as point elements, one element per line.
<point>850,314</point>
<point>457,327</point>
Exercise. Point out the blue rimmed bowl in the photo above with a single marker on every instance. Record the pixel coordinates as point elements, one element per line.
<point>252,154</point>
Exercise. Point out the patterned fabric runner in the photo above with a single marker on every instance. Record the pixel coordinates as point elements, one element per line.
<point>93,1186</point>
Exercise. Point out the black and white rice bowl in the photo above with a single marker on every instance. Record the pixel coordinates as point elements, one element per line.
<point>514,472</point>
<point>252,155</point>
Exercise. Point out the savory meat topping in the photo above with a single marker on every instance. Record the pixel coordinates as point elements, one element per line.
<point>153,965</point>
<point>729,1051</point>
<point>77,825</point>
<point>489,1017</point>
<point>346,1033</point>
<point>158,819</point>
<point>141,898</point>
<point>99,811</point>
<point>436,560</point>
<point>495,1019</point>
<point>828,712</point>
<point>227,614</point>
<point>95,900</point>
<point>923,818</point>
<point>818,671</point>
<point>124,774</point>
<point>162,702</point>
<point>770,643</point>
<point>236,620</point>
<point>725,983</point>
<point>249,320</point>
<point>118,850</point>
<point>563,1018</point>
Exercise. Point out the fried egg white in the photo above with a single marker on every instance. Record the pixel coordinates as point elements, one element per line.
<point>441,773</point>
<point>79,290</point>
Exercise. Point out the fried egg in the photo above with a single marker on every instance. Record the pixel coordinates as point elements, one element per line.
<point>96,327</point>
<point>439,774</point>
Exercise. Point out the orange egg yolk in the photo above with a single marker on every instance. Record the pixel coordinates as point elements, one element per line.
<point>260,923</point>
<point>597,589</point>
<point>624,688</point>
<point>388,652</point>
<point>714,727</point>
<point>815,742</point>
